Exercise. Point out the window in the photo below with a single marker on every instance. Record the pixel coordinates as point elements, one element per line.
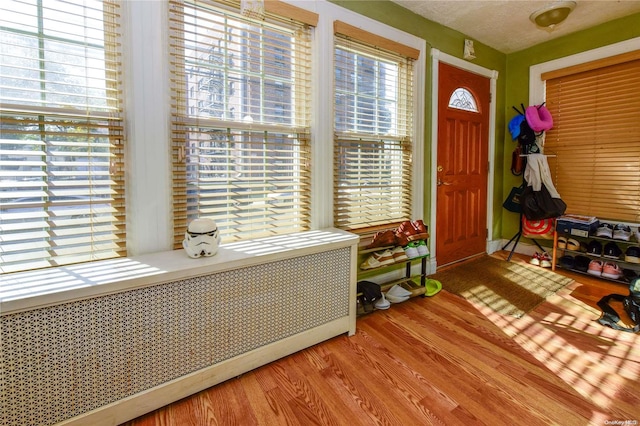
<point>61,144</point>
<point>373,130</point>
<point>463,99</point>
<point>596,111</point>
<point>240,116</point>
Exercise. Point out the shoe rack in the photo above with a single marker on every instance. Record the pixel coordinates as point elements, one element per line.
<point>558,252</point>
<point>416,284</point>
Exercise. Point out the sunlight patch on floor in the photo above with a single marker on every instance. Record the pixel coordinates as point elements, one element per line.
<point>597,362</point>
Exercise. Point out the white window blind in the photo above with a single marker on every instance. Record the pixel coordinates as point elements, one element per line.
<point>373,131</point>
<point>240,116</point>
<point>61,144</point>
<point>596,111</point>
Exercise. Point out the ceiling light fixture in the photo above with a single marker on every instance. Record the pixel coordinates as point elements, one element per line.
<point>551,15</point>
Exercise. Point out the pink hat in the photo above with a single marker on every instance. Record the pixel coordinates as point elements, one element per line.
<point>539,118</point>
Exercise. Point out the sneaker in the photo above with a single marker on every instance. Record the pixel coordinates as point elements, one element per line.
<point>423,250</point>
<point>595,267</point>
<point>605,230</point>
<point>594,248</point>
<point>411,251</point>
<point>637,232</point>
<point>611,250</point>
<point>581,263</point>
<point>621,232</point>
<point>632,255</point>
<point>535,259</point>
<point>399,255</point>
<point>562,243</point>
<point>405,232</point>
<point>611,270</point>
<point>545,260</point>
<point>573,244</point>
<point>377,260</point>
<point>383,239</point>
<point>421,230</point>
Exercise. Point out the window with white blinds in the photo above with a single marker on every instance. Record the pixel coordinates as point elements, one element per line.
<point>596,111</point>
<point>373,130</point>
<point>61,143</point>
<point>240,117</point>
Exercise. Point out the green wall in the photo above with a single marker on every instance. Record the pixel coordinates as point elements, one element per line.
<point>517,82</point>
<point>512,83</point>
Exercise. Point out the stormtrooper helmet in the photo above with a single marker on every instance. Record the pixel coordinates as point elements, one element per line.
<point>202,238</point>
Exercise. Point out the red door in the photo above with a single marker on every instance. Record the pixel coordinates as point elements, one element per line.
<point>462,164</point>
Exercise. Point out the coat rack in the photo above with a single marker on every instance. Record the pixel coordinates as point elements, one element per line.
<point>516,238</point>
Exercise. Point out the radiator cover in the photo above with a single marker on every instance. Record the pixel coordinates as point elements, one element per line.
<point>61,361</point>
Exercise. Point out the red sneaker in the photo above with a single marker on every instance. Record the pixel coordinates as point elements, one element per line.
<point>421,232</point>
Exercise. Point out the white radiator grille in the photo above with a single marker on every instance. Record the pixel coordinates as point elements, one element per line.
<point>65,360</point>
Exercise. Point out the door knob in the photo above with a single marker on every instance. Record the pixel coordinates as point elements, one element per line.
<point>441,182</point>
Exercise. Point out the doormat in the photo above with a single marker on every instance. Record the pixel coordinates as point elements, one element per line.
<point>508,288</point>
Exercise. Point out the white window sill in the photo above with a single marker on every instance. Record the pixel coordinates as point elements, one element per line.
<point>35,289</point>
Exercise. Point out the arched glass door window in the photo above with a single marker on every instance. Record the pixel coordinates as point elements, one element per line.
<point>461,98</point>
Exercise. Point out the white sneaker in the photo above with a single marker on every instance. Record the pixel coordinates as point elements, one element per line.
<point>411,251</point>
<point>423,250</point>
<point>621,232</point>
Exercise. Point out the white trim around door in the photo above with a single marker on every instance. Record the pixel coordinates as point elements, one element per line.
<point>437,57</point>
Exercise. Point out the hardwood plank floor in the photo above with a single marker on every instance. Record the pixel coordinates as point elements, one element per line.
<point>443,361</point>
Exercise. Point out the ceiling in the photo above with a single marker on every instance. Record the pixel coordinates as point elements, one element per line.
<point>505,25</point>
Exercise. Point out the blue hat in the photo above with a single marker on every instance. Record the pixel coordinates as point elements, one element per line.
<point>514,126</point>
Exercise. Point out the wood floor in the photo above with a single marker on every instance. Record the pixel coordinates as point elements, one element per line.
<point>443,361</point>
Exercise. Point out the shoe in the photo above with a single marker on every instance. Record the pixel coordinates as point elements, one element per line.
<point>594,248</point>
<point>621,232</point>
<point>566,262</point>
<point>545,260</point>
<point>399,255</point>
<point>595,267</point>
<point>401,239</point>
<point>637,233</point>
<point>383,239</point>
<point>423,250</point>
<point>573,244</point>
<point>582,263</point>
<point>397,294</point>
<point>535,259</point>
<point>611,251</point>
<point>605,230</point>
<point>382,303</point>
<point>377,260</point>
<point>562,243</point>
<point>611,270</point>
<point>405,232</point>
<point>411,250</point>
<point>632,255</point>
<point>398,291</point>
<point>421,230</point>
<point>629,274</point>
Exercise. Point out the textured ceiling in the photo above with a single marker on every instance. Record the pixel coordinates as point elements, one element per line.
<point>505,25</point>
